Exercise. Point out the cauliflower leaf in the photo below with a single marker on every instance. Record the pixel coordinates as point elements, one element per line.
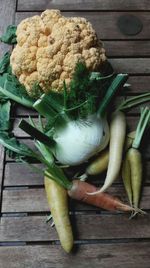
<point>9,37</point>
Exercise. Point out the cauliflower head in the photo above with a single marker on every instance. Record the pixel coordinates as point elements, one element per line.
<point>48,48</point>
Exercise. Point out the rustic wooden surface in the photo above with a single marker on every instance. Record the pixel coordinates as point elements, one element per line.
<point>101,238</point>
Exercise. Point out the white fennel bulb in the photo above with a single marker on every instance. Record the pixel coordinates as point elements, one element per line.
<point>81,139</point>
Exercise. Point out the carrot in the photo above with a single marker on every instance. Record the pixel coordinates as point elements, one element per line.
<point>80,190</point>
<point>100,164</point>
<point>57,200</point>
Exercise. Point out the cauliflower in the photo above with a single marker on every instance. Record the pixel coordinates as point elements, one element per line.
<point>48,48</point>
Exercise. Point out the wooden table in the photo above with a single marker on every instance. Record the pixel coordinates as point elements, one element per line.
<point>102,239</point>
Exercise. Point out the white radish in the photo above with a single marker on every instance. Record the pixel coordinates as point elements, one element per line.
<point>117,139</point>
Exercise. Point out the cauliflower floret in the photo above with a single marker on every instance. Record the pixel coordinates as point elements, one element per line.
<point>48,48</point>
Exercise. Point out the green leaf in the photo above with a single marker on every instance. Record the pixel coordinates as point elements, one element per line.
<point>11,87</point>
<point>5,63</point>
<point>36,90</point>
<point>5,116</point>
<point>86,88</point>
<point>9,37</point>
<point>11,143</point>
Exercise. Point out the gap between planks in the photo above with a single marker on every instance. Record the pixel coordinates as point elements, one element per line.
<point>80,5</point>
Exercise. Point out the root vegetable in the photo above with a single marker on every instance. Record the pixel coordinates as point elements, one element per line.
<point>100,164</point>
<point>117,138</point>
<point>132,168</point>
<point>126,176</point>
<point>80,190</point>
<point>135,165</point>
<point>57,200</point>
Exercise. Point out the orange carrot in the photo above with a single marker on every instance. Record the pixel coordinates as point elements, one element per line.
<point>80,190</point>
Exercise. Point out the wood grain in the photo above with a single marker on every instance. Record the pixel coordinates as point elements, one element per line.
<point>34,200</point>
<point>18,174</point>
<point>7,16</point>
<point>131,66</point>
<point>127,48</point>
<point>105,255</point>
<point>34,228</point>
<point>82,5</point>
<point>105,23</point>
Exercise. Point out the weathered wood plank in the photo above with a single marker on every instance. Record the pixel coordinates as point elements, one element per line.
<point>18,174</point>
<point>127,48</point>
<point>34,200</point>
<point>7,11</point>
<point>139,84</point>
<point>124,255</point>
<point>132,65</point>
<point>34,228</point>
<point>84,5</point>
<point>105,23</point>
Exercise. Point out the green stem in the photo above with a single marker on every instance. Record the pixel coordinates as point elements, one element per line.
<point>44,109</point>
<point>46,158</point>
<point>36,134</point>
<point>65,95</point>
<point>142,125</point>
<point>51,109</point>
<point>134,101</point>
<point>118,81</point>
<point>58,176</point>
<point>15,98</point>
